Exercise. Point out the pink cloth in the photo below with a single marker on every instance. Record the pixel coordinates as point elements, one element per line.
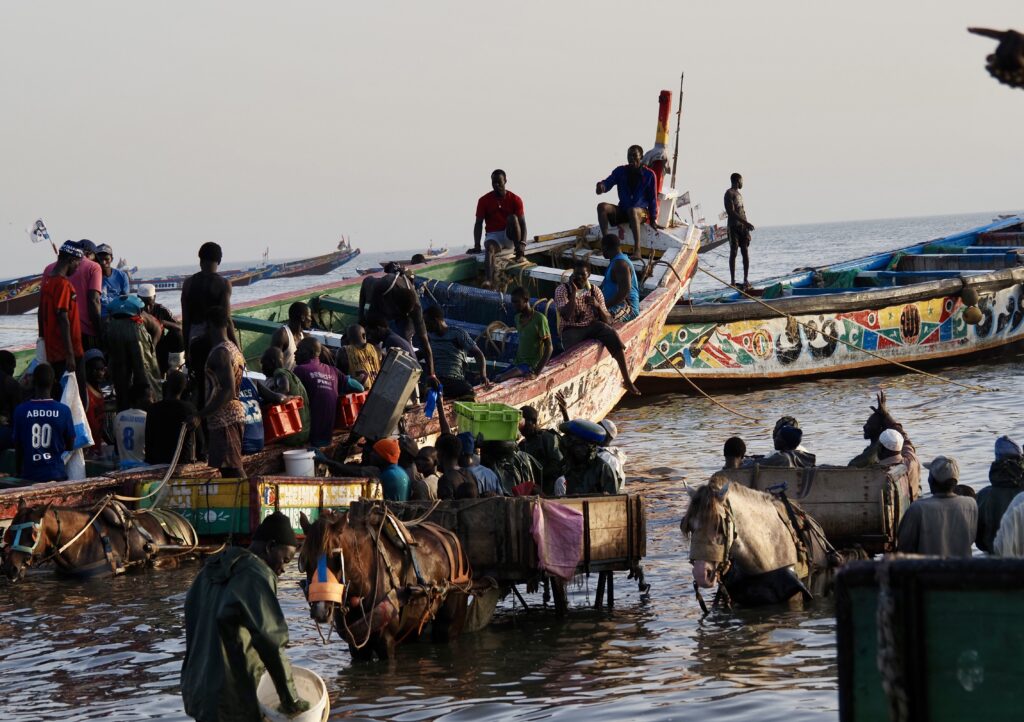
<point>88,277</point>
<point>558,532</point>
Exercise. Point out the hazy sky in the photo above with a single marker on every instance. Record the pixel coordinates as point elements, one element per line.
<point>157,126</point>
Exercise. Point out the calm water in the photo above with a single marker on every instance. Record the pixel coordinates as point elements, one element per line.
<point>112,649</point>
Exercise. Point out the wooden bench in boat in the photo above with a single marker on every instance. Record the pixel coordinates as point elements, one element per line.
<point>952,635</point>
<point>957,261</point>
<point>495,532</point>
<point>853,505</point>
<point>1001,238</point>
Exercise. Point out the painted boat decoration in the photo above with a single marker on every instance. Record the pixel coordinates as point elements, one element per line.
<point>910,305</point>
<point>20,295</point>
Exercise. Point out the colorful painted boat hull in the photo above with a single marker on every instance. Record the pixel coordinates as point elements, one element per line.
<point>722,344</point>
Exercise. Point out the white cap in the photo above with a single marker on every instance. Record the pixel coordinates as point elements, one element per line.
<point>147,290</point>
<point>891,440</point>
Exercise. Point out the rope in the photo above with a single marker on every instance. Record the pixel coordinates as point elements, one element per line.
<point>836,338</point>
<point>703,393</point>
<point>167,476</point>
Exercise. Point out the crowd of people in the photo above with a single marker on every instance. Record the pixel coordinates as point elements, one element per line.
<point>145,377</point>
<point>948,521</point>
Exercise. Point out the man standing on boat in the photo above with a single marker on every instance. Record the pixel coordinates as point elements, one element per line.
<point>739,229</point>
<point>59,325</point>
<point>88,283</point>
<point>115,281</point>
<point>200,293</point>
<point>501,214</point>
<point>638,197</point>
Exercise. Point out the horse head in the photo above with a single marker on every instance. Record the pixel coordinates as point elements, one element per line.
<point>878,421</point>
<point>338,560</point>
<point>710,528</point>
<point>26,539</point>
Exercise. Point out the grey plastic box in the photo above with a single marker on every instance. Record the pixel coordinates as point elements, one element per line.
<point>395,384</point>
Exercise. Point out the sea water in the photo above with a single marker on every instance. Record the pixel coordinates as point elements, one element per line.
<point>112,649</point>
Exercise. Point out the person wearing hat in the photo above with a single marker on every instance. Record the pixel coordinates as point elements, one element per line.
<point>890,448</point>
<point>59,321</point>
<point>131,349</point>
<point>879,421</point>
<point>1006,481</point>
<point>115,281</point>
<point>544,445</point>
<point>393,479</point>
<point>584,474</point>
<point>613,456</point>
<point>96,404</point>
<point>235,629</point>
<point>943,524</point>
<point>88,283</point>
<point>170,340</point>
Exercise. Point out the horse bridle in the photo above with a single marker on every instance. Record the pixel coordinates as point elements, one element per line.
<point>721,568</point>
<point>17,529</point>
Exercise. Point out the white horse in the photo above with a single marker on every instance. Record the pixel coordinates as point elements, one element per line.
<point>761,550</point>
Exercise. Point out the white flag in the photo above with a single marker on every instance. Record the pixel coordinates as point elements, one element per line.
<point>38,232</point>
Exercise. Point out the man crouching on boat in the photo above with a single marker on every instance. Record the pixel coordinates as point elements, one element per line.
<point>584,317</point>
<point>234,629</point>
<point>502,215</point>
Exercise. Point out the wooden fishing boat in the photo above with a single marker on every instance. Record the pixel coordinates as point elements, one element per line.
<point>855,506</point>
<point>20,295</point>
<point>909,305</point>
<point>941,636</point>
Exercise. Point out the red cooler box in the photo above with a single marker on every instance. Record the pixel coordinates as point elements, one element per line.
<point>349,407</point>
<point>282,420</point>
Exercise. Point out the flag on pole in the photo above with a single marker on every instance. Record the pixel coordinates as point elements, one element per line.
<point>684,200</point>
<point>38,232</point>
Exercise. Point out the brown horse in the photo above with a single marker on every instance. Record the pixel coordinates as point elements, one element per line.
<point>396,577</point>
<point>104,539</point>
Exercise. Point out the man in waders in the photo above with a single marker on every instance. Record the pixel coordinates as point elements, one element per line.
<point>234,629</point>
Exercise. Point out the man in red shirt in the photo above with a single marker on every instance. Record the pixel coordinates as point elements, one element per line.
<point>59,323</point>
<point>501,214</point>
<point>88,283</point>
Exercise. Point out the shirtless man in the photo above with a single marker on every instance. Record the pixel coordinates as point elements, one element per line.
<point>739,228</point>
<point>201,292</point>
<point>287,338</point>
<point>394,296</point>
<point>223,413</point>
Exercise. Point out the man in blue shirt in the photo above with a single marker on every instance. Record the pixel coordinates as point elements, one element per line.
<point>43,431</point>
<point>115,281</point>
<point>638,197</point>
<point>620,287</point>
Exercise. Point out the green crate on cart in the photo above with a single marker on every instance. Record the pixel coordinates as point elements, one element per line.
<point>495,422</point>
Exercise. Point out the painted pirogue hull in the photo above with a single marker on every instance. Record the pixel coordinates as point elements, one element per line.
<point>174,283</point>
<point>942,665</point>
<point>20,295</point>
<point>723,344</point>
<point>313,266</point>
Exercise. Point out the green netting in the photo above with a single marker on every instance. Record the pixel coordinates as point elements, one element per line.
<point>895,261</point>
<point>939,248</point>
<point>839,279</point>
<point>776,290</point>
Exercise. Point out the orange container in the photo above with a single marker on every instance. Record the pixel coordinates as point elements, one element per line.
<point>282,420</point>
<point>349,407</point>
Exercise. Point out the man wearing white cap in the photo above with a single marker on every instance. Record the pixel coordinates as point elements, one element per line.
<point>890,448</point>
<point>943,524</point>
<point>170,347</point>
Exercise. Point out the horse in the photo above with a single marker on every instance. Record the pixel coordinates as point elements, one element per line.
<point>103,539</point>
<point>761,549</point>
<point>379,580</point>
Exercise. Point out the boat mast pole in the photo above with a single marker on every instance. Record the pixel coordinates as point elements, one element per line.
<point>679,120</point>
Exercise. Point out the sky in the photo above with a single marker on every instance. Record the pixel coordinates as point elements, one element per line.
<point>156,126</point>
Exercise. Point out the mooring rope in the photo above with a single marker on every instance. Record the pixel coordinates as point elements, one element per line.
<point>836,338</point>
<point>167,476</point>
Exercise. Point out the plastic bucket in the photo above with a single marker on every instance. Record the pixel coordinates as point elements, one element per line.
<point>299,462</point>
<point>310,688</point>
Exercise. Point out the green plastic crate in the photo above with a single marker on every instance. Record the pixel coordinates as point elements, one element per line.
<point>495,422</point>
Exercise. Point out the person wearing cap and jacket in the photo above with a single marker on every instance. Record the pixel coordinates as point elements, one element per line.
<point>234,629</point>
<point>943,524</point>
<point>394,481</point>
<point>613,456</point>
<point>1006,481</point>
<point>170,340</point>
<point>130,349</point>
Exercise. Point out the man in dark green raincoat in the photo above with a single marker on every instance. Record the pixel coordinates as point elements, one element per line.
<point>1006,476</point>
<point>234,629</point>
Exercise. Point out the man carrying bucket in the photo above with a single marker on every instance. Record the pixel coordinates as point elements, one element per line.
<point>234,629</point>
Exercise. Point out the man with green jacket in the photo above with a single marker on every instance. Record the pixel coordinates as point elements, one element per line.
<point>234,629</point>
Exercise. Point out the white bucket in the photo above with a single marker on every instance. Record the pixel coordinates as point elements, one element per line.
<point>310,688</point>
<point>299,462</point>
